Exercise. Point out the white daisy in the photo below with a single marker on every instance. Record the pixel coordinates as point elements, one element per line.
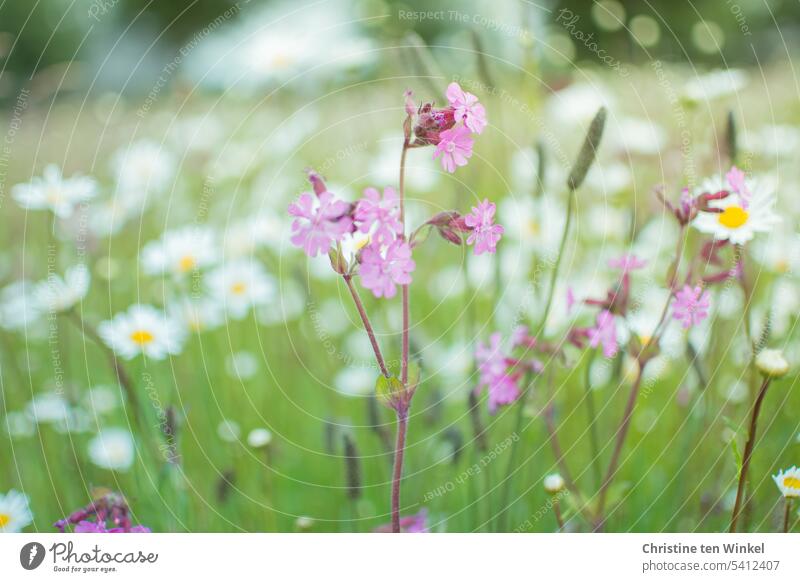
<point>240,285</point>
<point>19,309</point>
<point>180,251</point>
<point>55,192</point>
<point>142,329</point>
<point>198,314</point>
<point>788,482</point>
<point>229,431</point>
<point>142,167</point>
<point>56,294</point>
<point>15,512</point>
<point>740,218</point>
<point>112,448</point>
<point>19,425</point>
<point>48,407</point>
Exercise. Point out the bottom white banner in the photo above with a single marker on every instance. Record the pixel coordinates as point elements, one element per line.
<point>375,557</point>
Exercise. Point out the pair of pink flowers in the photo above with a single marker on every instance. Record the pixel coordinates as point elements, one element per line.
<point>500,372</point>
<point>449,129</point>
<point>321,221</point>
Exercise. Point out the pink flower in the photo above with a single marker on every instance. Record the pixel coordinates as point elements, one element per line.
<point>604,333</point>
<point>627,263</point>
<point>417,523</point>
<point>493,367</point>
<point>485,234</point>
<point>736,180</point>
<point>570,300</point>
<point>372,211</point>
<point>691,305</point>
<point>87,526</point>
<point>319,225</point>
<point>380,272</point>
<point>467,108</point>
<point>455,147</point>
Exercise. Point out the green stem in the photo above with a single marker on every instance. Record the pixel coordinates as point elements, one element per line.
<point>592,419</point>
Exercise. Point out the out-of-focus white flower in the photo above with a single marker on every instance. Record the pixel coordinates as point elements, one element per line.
<point>19,425</point>
<point>355,381</point>
<point>180,251</point>
<point>142,329</point>
<point>18,306</point>
<point>198,314</point>
<point>229,431</point>
<point>773,140</point>
<point>241,285</point>
<point>788,481</point>
<point>259,438</point>
<point>143,167</point>
<point>112,448</point>
<point>740,219</point>
<point>56,294</point>
<point>281,41</point>
<point>48,407</point>
<point>55,192</point>
<point>101,399</point>
<point>715,84</point>
<point>608,179</point>
<point>15,512</point>
<point>638,136</point>
<point>241,365</point>
<point>533,226</point>
<point>577,104</point>
<point>290,304</point>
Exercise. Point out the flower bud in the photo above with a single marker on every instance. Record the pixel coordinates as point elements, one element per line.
<point>554,483</point>
<point>588,151</point>
<point>771,363</point>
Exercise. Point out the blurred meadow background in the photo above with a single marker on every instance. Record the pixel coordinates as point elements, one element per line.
<point>204,115</point>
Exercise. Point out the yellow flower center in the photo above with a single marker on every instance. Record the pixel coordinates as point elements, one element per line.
<point>792,482</point>
<point>238,288</point>
<point>186,263</point>
<point>54,195</point>
<point>782,266</point>
<point>733,217</point>
<point>142,337</point>
<point>4,519</point>
<point>645,339</point>
<point>533,227</point>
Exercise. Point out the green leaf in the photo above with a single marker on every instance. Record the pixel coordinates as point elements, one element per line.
<point>389,390</point>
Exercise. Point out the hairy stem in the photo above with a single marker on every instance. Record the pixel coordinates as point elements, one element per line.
<point>367,325</point>
<point>748,453</point>
<point>397,473</point>
<point>787,513</point>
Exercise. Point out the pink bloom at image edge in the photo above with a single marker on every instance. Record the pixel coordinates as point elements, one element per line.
<point>381,273</point>
<point>485,234</point>
<point>372,210</point>
<point>467,108</point>
<point>417,523</point>
<point>604,333</point>
<point>455,148</point>
<point>691,305</point>
<point>100,527</point>
<point>317,226</point>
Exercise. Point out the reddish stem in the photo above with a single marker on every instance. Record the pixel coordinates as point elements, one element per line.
<point>397,473</point>
<point>367,325</point>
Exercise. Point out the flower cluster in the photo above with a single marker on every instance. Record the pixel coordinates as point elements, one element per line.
<point>449,129</point>
<point>382,257</point>
<point>500,372</point>
<point>107,509</point>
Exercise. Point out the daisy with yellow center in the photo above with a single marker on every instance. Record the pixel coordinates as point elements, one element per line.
<point>15,512</point>
<point>145,330</point>
<point>179,252</point>
<point>239,285</point>
<point>748,209</point>
<point>788,482</point>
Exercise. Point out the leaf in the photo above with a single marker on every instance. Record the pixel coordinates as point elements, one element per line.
<point>389,389</point>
